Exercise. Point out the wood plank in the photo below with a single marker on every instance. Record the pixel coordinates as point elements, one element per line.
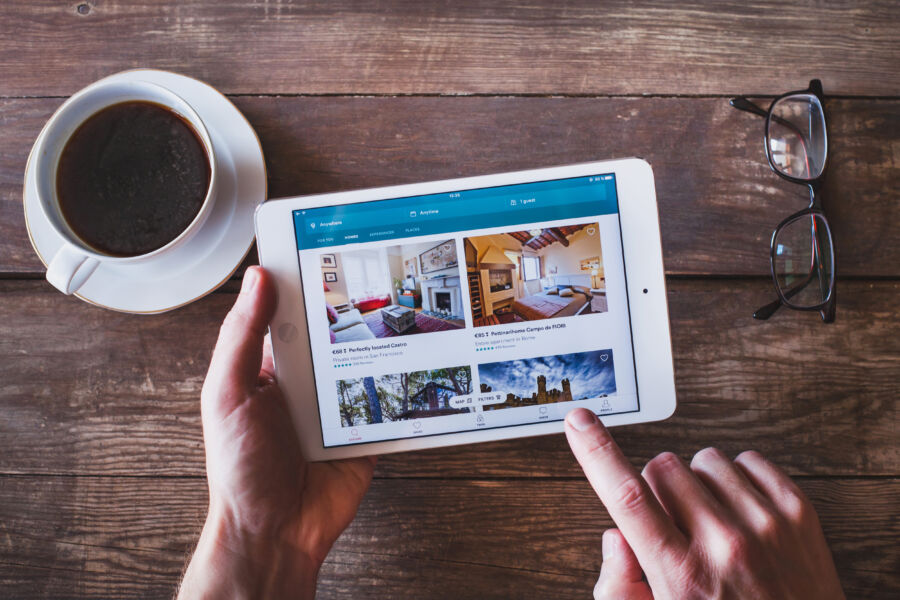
<point>88,391</point>
<point>88,537</point>
<point>531,47</point>
<point>718,200</point>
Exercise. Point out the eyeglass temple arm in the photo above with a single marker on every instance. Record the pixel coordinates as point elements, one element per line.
<point>764,312</point>
<point>769,309</point>
<point>742,103</point>
<point>829,311</point>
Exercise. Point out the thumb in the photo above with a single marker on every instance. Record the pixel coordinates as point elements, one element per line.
<point>621,575</point>
<point>235,365</point>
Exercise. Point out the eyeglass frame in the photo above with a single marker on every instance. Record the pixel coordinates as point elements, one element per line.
<point>827,307</point>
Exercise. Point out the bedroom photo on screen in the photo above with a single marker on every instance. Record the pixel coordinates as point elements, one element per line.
<point>540,273</point>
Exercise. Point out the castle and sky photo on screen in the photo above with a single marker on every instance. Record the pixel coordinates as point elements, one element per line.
<point>549,379</point>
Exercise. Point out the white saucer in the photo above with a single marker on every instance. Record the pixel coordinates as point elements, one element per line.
<point>207,259</point>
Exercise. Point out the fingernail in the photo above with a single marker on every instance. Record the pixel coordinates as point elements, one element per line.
<point>581,419</point>
<point>251,277</point>
<point>609,545</point>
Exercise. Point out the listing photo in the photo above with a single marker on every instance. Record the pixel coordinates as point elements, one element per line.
<point>402,396</point>
<point>392,291</point>
<point>541,273</point>
<point>549,379</point>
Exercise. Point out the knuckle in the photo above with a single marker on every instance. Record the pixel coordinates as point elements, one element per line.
<point>796,507</point>
<point>749,456</point>
<point>768,526</point>
<point>605,444</point>
<point>707,455</point>
<point>600,449</point>
<point>235,319</point>
<point>607,589</point>
<point>630,495</point>
<point>663,463</point>
<point>733,548</point>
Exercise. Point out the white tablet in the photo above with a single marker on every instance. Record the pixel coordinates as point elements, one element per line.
<point>469,310</point>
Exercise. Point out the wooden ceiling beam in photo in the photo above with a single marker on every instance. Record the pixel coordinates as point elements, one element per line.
<point>558,235</point>
<point>535,238</point>
<point>546,237</point>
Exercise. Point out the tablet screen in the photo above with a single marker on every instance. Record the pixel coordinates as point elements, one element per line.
<point>467,310</point>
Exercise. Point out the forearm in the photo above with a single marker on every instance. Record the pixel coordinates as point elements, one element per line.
<point>228,565</point>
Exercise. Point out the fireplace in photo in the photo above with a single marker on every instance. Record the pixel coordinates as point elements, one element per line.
<point>501,279</point>
<point>442,301</point>
<point>441,295</point>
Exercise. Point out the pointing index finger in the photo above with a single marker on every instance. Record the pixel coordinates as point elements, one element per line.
<point>630,501</point>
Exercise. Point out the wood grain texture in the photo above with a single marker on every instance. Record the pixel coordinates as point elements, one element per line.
<point>118,394</point>
<point>718,200</point>
<point>412,47</point>
<point>101,454</point>
<point>82,537</point>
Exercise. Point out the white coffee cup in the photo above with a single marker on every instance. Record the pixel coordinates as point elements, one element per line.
<point>76,261</point>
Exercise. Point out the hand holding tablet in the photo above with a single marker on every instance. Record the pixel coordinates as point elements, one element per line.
<point>469,310</point>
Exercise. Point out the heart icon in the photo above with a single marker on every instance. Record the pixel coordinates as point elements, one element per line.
<point>604,357</point>
<point>590,231</point>
<point>417,425</point>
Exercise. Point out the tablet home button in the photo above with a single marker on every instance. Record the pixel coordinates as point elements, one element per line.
<point>287,332</point>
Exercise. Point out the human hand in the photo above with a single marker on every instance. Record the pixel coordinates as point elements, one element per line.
<point>713,529</point>
<point>273,517</point>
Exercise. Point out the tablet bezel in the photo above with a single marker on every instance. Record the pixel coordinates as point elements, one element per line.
<point>645,290</point>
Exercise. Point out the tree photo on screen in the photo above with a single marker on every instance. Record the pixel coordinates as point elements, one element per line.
<point>402,396</point>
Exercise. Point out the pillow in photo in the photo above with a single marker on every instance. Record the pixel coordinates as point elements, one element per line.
<point>552,292</point>
<point>565,292</point>
<point>332,314</point>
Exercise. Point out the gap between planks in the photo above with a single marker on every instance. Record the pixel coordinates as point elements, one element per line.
<point>496,95</point>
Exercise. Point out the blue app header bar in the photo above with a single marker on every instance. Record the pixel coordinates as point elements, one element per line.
<point>456,211</point>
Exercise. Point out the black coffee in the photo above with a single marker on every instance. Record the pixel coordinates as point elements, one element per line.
<point>131,178</point>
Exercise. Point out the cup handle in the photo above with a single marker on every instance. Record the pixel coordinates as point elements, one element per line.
<point>70,269</point>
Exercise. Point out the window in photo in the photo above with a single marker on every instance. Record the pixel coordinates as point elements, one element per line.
<point>531,267</point>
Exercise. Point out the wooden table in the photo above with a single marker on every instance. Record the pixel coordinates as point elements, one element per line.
<point>102,488</point>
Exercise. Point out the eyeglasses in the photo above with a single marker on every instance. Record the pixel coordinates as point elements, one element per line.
<point>801,251</point>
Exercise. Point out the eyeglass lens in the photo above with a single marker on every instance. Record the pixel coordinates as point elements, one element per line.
<point>796,136</point>
<point>803,261</point>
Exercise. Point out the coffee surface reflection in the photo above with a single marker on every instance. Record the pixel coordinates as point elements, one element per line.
<point>131,178</point>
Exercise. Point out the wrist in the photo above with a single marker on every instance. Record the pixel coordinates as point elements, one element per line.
<point>232,562</point>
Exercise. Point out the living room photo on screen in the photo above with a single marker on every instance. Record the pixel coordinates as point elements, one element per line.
<point>549,379</point>
<point>392,291</point>
<point>402,396</point>
<point>540,273</point>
